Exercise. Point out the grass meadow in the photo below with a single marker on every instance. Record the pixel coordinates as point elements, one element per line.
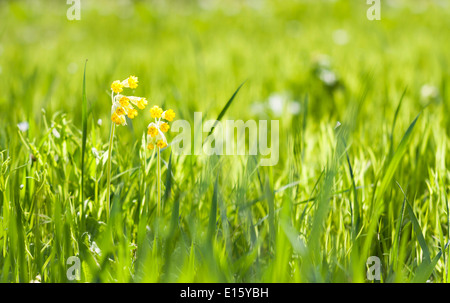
<point>363,109</point>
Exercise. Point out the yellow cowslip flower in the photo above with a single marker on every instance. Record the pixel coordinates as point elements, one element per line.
<point>131,82</point>
<point>117,86</point>
<point>132,113</point>
<point>123,105</point>
<point>152,130</point>
<point>161,144</point>
<point>142,103</point>
<point>155,136</point>
<point>168,115</point>
<point>156,111</point>
<point>156,129</point>
<point>124,101</point>
<point>164,127</point>
<point>120,111</point>
<point>118,120</point>
<point>159,140</point>
<point>118,114</point>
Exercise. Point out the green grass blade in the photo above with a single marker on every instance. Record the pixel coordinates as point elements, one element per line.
<point>213,212</point>
<point>398,230</point>
<point>395,117</point>
<point>425,269</point>
<point>224,109</point>
<point>388,173</point>
<point>84,137</point>
<point>168,184</point>
<point>356,216</point>
<point>417,229</point>
<point>271,204</point>
<point>171,239</point>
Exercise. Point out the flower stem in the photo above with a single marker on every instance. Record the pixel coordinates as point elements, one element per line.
<point>159,182</point>
<point>108,185</point>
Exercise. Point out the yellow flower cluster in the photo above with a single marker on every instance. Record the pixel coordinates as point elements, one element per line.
<point>156,130</point>
<point>123,105</point>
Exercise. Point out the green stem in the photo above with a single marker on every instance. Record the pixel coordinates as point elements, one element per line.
<point>108,185</point>
<point>159,181</point>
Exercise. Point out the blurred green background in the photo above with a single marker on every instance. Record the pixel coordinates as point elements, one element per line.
<point>192,55</point>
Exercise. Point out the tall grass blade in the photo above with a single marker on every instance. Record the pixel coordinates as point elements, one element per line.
<point>83,141</point>
<point>213,212</point>
<point>224,109</point>
<point>168,184</point>
<point>417,229</point>
<point>395,117</point>
<point>388,173</point>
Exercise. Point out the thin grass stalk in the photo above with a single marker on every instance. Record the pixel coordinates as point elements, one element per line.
<point>108,186</point>
<point>159,182</point>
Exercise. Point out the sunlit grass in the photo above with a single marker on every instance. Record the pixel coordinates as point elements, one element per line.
<point>375,185</point>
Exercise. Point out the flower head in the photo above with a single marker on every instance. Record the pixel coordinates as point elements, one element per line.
<point>120,111</point>
<point>124,101</point>
<point>161,143</point>
<point>124,105</point>
<point>164,127</point>
<point>156,129</point>
<point>152,130</point>
<point>131,82</point>
<point>118,119</point>
<point>117,87</point>
<point>142,103</point>
<point>159,140</point>
<point>132,113</point>
<point>168,115</point>
<point>156,111</point>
